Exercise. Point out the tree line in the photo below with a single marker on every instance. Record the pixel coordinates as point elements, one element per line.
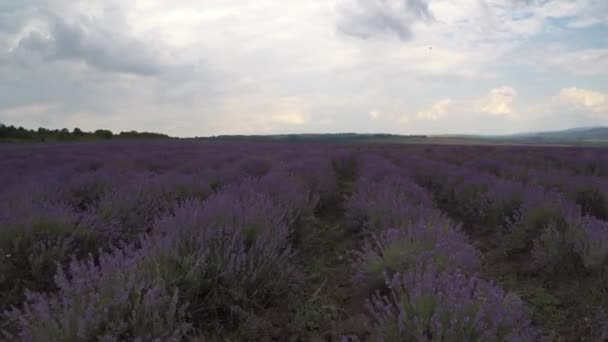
<point>12,133</point>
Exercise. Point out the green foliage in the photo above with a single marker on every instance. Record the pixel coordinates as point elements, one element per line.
<point>30,251</point>
<point>546,235</point>
<point>12,133</point>
<point>593,202</point>
<point>531,223</point>
<point>395,257</point>
<point>113,303</point>
<point>547,306</point>
<point>553,251</point>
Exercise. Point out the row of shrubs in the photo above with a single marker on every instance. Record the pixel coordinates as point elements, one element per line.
<point>419,270</point>
<point>156,256</point>
<point>590,191</point>
<point>542,225</point>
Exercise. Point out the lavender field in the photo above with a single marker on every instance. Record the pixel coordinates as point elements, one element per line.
<point>202,241</point>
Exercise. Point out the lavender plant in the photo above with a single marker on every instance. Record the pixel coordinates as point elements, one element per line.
<point>106,299</point>
<point>317,174</point>
<point>397,250</point>
<point>130,210</point>
<point>392,202</point>
<point>591,244</point>
<point>34,237</point>
<point>226,255</point>
<point>427,305</point>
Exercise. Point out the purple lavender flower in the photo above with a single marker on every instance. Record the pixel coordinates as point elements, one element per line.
<point>232,250</point>
<point>33,238</point>
<point>592,244</point>
<point>107,298</point>
<point>392,202</point>
<point>397,250</point>
<point>428,305</point>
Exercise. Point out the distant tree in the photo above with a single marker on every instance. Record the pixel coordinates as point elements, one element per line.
<point>13,133</point>
<point>64,134</point>
<point>3,131</point>
<point>141,135</point>
<point>104,133</point>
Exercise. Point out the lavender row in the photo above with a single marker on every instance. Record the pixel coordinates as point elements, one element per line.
<point>202,267</point>
<point>588,191</point>
<point>419,267</point>
<point>579,160</point>
<point>43,221</point>
<point>51,224</point>
<point>543,225</point>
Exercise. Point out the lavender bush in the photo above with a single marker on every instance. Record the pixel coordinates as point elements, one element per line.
<point>546,226</point>
<point>392,202</point>
<point>397,250</point>
<point>132,209</point>
<point>107,299</point>
<point>591,244</point>
<point>34,237</point>
<point>228,254</point>
<point>427,305</point>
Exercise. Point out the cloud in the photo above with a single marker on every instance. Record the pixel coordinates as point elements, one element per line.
<point>585,62</point>
<point>34,109</point>
<point>293,118</point>
<point>365,19</point>
<point>437,110</point>
<point>31,115</point>
<point>82,41</point>
<point>569,107</point>
<point>583,100</point>
<point>497,102</point>
<point>577,13</point>
<point>217,67</point>
<point>11,17</point>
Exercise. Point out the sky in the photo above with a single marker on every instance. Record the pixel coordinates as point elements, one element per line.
<point>210,67</point>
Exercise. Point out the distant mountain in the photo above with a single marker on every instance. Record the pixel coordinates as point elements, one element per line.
<point>588,136</point>
<point>579,134</point>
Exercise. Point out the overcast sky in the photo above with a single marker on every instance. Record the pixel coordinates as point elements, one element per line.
<point>207,67</point>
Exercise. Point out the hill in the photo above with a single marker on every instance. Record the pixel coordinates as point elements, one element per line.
<point>573,134</point>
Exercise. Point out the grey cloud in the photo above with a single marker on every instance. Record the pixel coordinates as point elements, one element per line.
<point>420,9</point>
<point>11,17</point>
<point>83,41</point>
<point>366,19</point>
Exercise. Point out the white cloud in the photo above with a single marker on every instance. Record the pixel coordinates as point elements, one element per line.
<point>499,101</point>
<point>437,110</point>
<point>580,13</point>
<point>582,99</point>
<point>569,107</point>
<point>374,114</point>
<point>290,118</point>
<point>403,119</point>
<point>585,62</point>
